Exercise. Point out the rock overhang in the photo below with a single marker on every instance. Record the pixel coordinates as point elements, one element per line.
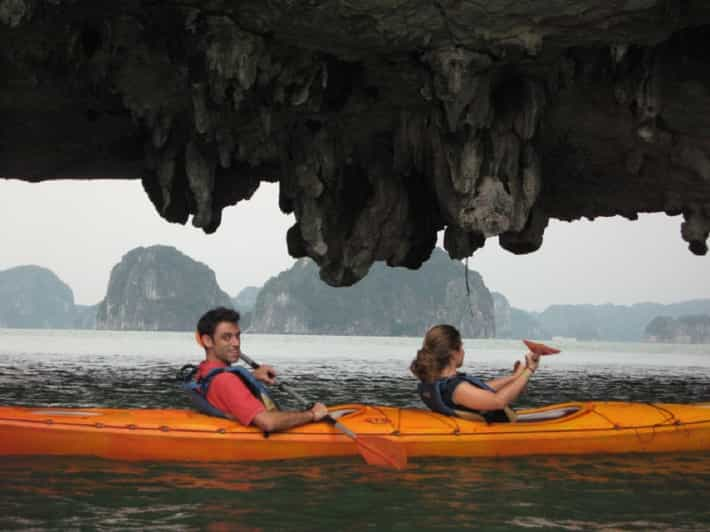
<point>383,122</point>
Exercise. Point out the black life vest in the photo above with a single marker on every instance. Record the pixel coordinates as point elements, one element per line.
<point>438,396</point>
<point>197,389</point>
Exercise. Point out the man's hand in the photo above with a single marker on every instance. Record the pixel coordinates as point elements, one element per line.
<point>265,374</point>
<point>319,411</point>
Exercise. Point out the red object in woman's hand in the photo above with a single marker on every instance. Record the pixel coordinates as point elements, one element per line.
<point>540,349</point>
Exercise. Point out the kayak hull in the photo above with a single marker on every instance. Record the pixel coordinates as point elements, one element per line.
<point>181,435</point>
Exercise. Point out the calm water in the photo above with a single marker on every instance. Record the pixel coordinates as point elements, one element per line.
<point>118,369</point>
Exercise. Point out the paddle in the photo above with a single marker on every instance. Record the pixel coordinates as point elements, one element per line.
<point>374,450</point>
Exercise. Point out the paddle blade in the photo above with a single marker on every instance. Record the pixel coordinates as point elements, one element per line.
<point>382,452</point>
<point>540,349</point>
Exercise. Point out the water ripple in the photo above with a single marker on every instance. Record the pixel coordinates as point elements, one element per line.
<point>124,370</point>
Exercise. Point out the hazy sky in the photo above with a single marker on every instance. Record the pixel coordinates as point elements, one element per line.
<point>81,229</point>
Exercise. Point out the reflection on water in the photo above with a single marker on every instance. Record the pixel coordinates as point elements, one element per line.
<point>60,368</point>
<point>566,493</point>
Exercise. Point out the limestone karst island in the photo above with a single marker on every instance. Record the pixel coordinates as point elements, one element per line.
<point>158,288</point>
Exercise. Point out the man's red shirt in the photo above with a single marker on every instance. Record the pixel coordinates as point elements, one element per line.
<point>228,393</point>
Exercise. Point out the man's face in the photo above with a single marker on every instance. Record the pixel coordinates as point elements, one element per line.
<point>223,345</point>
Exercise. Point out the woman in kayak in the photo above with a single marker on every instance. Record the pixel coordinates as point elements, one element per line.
<point>445,390</point>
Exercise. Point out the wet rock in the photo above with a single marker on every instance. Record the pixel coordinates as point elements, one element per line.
<point>382,124</point>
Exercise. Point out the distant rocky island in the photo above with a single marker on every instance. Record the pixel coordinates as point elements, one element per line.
<point>619,323</point>
<point>694,329</point>
<point>160,288</point>
<point>34,297</point>
<point>387,302</point>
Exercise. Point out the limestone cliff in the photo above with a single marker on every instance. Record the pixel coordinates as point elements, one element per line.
<point>35,298</point>
<point>246,299</point>
<point>85,316</point>
<point>158,288</point>
<point>383,122</point>
<point>683,330</point>
<point>625,323</point>
<point>388,302</point>
<point>512,322</point>
<point>611,322</point>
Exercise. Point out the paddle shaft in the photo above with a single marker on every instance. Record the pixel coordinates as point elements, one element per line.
<point>286,388</point>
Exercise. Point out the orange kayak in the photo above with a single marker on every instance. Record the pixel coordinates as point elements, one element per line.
<point>182,435</point>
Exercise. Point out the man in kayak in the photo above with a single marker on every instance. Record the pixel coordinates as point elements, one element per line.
<point>445,390</point>
<point>234,391</point>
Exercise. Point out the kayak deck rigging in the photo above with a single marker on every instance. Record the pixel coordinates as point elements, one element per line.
<point>152,434</point>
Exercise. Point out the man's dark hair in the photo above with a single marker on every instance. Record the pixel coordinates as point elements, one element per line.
<point>210,319</point>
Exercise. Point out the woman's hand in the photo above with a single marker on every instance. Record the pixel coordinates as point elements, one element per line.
<point>532,361</point>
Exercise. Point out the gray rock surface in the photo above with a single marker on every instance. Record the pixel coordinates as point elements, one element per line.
<point>246,299</point>
<point>502,312</point>
<point>85,316</point>
<point>158,288</point>
<point>388,302</point>
<point>35,298</point>
<point>383,122</point>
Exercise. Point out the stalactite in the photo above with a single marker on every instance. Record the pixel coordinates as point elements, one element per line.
<point>200,173</point>
<point>477,121</point>
<point>695,228</point>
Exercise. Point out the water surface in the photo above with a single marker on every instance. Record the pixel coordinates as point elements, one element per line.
<point>137,369</point>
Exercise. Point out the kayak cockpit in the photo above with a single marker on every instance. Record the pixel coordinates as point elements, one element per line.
<point>548,415</point>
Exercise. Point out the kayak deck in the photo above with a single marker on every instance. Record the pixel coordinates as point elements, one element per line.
<point>183,435</point>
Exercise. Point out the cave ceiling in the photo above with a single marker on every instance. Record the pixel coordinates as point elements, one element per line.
<point>383,122</point>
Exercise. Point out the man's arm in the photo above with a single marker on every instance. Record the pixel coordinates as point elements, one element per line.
<point>274,421</point>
